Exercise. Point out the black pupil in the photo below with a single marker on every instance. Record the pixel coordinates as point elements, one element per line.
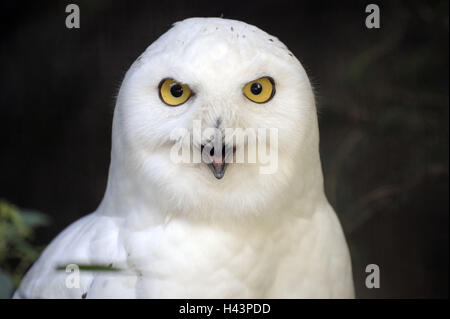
<point>176,90</point>
<point>256,88</point>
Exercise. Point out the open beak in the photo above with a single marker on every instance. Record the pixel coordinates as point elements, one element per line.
<point>218,169</point>
<point>217,159</point>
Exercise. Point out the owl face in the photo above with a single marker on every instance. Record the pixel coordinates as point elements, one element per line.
<point>220,75</point>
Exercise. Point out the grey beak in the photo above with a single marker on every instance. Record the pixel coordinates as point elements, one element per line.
<point>216,159</point>
<point>218,169</point>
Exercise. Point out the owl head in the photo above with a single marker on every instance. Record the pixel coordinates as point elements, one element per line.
<point>213,76</point>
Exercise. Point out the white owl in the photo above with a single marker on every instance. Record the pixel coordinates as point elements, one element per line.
<point>176,230</point>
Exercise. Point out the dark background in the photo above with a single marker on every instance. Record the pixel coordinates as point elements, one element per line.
<point>383,110</point>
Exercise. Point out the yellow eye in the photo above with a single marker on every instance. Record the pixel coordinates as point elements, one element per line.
<point>261,90</point>
<point>174,93</point>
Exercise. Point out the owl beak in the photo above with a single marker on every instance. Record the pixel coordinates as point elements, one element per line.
<point>218,160</point>
<point>218,169</point>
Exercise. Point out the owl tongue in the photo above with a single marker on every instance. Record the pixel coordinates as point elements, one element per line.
<point>216,160</point>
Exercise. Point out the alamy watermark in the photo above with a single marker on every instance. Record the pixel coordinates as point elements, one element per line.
<point>73,17</point>
<point>373,19</point>
<point>373,279</point>
<point>73,278</point>
<point>224,146</point>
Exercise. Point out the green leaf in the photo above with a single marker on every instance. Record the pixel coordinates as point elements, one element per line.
<point>92,267</point>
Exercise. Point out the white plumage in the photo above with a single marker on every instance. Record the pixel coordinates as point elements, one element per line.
<point>176,230</point>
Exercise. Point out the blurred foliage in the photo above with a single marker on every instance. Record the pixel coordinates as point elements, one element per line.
<point>17,253</point>
<point>392,126</point>
<point>385,138</point>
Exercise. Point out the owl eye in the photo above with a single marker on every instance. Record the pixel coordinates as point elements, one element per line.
<point>261,90</point>
<point>174,93</point>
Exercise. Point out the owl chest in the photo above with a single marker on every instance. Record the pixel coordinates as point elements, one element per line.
<point>201,262</point>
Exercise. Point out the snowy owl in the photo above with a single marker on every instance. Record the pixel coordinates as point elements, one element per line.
<point>206,230</point>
